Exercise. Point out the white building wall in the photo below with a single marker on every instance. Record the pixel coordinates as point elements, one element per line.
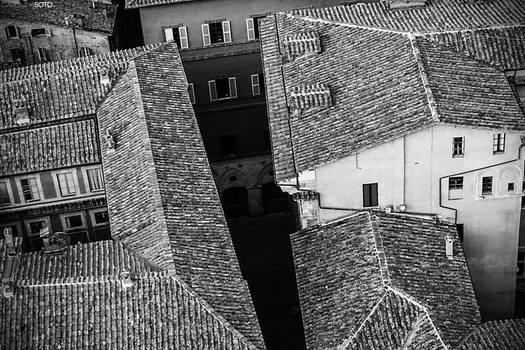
<point>408,171</point>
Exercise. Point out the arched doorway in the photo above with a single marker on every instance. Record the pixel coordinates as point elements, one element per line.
<point>235,202</point>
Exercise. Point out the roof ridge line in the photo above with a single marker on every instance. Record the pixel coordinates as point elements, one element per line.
<point>424,79</point>
<point>467,30</point>
<point>380,251</point>
<point>210,309</point>
<point>344,345</point>
<point>412,300</point>
<point>342,24</point>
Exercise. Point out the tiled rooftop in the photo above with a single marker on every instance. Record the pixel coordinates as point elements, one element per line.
<point>145,3</point>
<point>390,73</point>
<point>496,335</point>
<point>364,284</point>
<point>94,19</point>
<point>163,207</point>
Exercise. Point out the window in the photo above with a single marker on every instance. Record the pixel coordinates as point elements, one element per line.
<point>458,147</point>
<point>34,226</point>
<point>461,231</point>
<point>229,145</point>
<point>455,183</point>
<point>498,144</point>
<point>221,89</point>
<point>99,217</point>
<point>73,221</point>
<point>95,180</point>
<point>40,31</point>
<point>30,190</point>
<point>177,34</point>
<point>15,230</point>
<point>370,195</point>
<point>5,198</point>
<point>43,55</point>
<point>486,186</point>
<point>66,184</point>
<point>252,27</point>
<point>84,51</point>
<point>266,140</point>
<point>191,92</point>
<point>510,187</point>
<point>18,57</point>
<point>11,32</point>
<point>455,187</point>
<point>235,202</point>
<point>256,84</point>
<point>216,32</point>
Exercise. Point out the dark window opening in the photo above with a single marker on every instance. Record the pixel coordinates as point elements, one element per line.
<point>229,145</point>
<point>458,147</point>
<point>13,228</point>
<point>30,189</point>
<point>370,195</point>
<point>4,194</point>
<point>101,217</point>
<point>274,199</point>
<point>256,26</point>
<point>74,221</point>
<point>235,202</point>
<point>38,31</point>
<point>486,185</point>
<point>18,57</point>
<point>36,226</point>
<point>11,32</point>
<point>461,231</point>
<point>266,140</point>
<point>510,187</point>
<point>216,34</point>
<point>223,88</point>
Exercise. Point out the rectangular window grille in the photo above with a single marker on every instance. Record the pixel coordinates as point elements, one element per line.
<point>498,144</point>
<point>486,185</point>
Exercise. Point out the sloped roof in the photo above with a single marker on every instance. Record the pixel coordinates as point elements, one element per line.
<point>163,207</point>
<point>94,19</point>
<point>60,100</point>
<point>161,196</point>
<point>78,299</point>
<point>378,281</point>
<point>146,3</point>
<point>496,335</point>
<point>387,78</point>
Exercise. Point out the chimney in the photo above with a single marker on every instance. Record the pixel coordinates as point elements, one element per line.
<point>308,206</point>
<point>110,141</point>
<point>104,77</point>
<point>406,4</point>
<point>126,280</point>
<point>21,115</point>
<point>449,247</point>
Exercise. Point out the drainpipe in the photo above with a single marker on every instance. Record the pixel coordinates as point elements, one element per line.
<point>470,171</point>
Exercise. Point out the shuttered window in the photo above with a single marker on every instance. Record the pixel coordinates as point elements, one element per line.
<point>191,92</point>
<point>95,180</point>
<point>221,89</point>
<point>177,34</point>
<point>66,184</point>
<point>250,29</point>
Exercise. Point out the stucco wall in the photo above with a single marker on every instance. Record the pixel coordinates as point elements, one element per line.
<point>491,223</point>
<point>194,13</point>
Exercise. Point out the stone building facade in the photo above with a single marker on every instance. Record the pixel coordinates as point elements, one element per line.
<point>33,32</point>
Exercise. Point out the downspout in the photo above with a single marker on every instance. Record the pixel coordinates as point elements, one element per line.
<point>466,172</point>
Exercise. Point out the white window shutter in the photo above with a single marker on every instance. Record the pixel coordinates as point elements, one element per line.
<point>206,40</point>
<point>168,34</point>
<point>191,92</point>
<point>256,88</point>
<point>250,29</point>
<point>233,87</point>
<point>183,35</point>
<point>213,90</point>
<point>226,32</point>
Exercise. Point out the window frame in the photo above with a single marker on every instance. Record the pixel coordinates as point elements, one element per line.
<point>370,196</point>
<point>85,175</point>
<point>58,187</point>
<point>226,32</point>
<point>63,221</point>
<point>212,89</point>
<point>19,180</point>
<point>43,50</point>
<point>498,143</point>
<point>9,192</point>
<point>250,29</point>
<point>182,31</point>
<point>455,187</point>
<point>461,154</point>
<point>8,35</point>
<point>92,214</point>
<point>256,86</point>
<point>28,222</point>
<point>486,193</point>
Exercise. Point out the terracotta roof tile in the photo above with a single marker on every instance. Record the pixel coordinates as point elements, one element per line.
<point>364,284</point>
<point>58,146</point>
<point>145,3</point>
<point>497,335</point>
<point>383,85</point>
<point>93,19</point>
